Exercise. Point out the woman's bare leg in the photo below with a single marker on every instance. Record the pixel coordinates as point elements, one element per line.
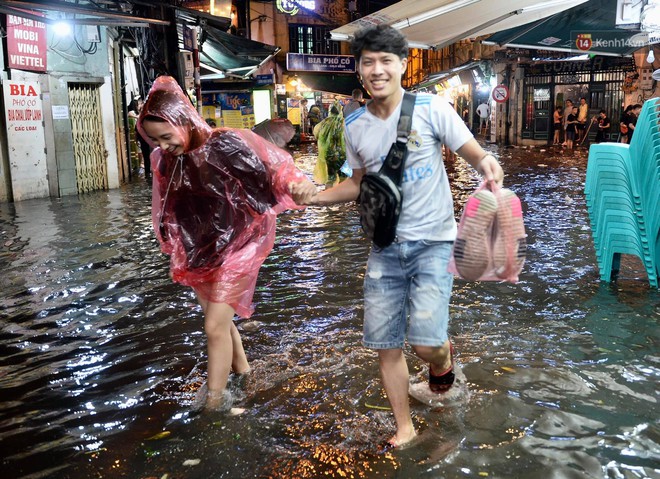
<point>239,363</point>
<point>217,325</point>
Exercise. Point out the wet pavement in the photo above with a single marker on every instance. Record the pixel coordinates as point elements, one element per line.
<point>102,356</point>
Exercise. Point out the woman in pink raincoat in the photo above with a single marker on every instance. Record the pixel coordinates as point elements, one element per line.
<point>216,195</point>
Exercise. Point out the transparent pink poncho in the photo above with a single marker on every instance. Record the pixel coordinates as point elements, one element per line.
<point>214,208</point>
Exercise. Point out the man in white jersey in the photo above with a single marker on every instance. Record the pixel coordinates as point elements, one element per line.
<point>406,286</point>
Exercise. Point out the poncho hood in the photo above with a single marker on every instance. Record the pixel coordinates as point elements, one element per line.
<point>166,100</point>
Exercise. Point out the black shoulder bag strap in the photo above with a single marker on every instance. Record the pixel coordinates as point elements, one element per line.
<point>396,158</point>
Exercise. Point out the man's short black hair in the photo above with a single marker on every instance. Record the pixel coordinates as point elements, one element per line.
<point>380,38</point>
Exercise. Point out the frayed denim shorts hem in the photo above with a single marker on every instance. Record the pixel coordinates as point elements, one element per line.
<point>407,289</point>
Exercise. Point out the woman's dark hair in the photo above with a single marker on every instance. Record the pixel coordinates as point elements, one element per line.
<point>133,106</point>
<point>333,110</point>
<point>381,38</point>
<point>153,118</point>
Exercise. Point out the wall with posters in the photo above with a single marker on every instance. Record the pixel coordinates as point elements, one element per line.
<point>37,55</point>
<point>229,109</point>
<point>25,139</point>
<point>5,185</point>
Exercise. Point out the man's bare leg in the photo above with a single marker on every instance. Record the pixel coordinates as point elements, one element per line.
<point>394,372</point>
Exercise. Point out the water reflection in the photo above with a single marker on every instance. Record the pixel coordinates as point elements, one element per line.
<point>102,356</point>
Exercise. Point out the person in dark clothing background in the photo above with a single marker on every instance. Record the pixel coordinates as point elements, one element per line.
<point>603,126</point>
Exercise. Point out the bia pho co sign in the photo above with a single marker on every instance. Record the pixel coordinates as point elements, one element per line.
<point>291,7</point>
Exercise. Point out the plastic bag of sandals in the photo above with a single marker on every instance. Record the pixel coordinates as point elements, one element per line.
<point>491,243</point>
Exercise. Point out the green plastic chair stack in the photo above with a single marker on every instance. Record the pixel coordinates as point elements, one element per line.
<point>622,190</point>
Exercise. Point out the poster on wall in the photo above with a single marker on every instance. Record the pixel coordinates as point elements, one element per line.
<point>293,110</point>
<point>237,109</point>
<point>25,139</point>
<point>26,43</point>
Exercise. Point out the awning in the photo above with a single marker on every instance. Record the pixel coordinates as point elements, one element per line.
<point>109,15</point>
<point>469,73</point>
<point>438,23</point>
<point>232,55</point>
<point>331,83</point>
<point>471,65</point>
<point>222,54</point>
<point>587,28</point>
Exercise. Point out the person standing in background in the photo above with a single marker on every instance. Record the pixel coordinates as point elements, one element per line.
<point>329,136</point>
<point>145,148</point>
<point>355,102</point>
<point>583,115</point>
<point>571,127</point>
<point>315,116</point>
<point>568,109</point>
<point>556,124</point>
<point>483,110</point>
<point>603,126</point>
<point>632,120</point>
<point>623,124</point>
<point>304,117</point>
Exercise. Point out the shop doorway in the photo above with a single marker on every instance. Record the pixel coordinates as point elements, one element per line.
<point>570,92</point>
<point>537,118</point>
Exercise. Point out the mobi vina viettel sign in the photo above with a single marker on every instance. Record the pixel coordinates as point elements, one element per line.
<point>26,44</point>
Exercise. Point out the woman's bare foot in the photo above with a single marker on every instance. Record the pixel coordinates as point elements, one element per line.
<point>215,400</point>
<point>241,371</point>
<point>402,438</point>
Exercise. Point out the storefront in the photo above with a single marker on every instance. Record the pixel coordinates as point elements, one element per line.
<point>465,87</point>
<point>549,84</point>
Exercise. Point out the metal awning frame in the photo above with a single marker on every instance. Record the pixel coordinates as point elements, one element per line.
<point>390,16</point>
<point>92,16</point>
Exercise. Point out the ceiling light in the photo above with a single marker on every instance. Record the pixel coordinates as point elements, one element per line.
<point>62,29</point>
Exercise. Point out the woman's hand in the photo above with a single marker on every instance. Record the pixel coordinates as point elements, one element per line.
<point>303,191</point>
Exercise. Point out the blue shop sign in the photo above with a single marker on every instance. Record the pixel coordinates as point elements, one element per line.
<point>304,62</point>
<point>264,79</point>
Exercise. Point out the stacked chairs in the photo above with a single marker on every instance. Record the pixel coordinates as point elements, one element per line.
<point>622,190</point>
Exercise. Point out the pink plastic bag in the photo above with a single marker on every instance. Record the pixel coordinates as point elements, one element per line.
<point>491,241</point>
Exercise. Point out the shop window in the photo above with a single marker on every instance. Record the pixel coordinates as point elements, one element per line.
<point>312,39</point>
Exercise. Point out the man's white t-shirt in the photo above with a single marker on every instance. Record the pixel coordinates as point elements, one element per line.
<point>482,111</point>
<point>428,208</point>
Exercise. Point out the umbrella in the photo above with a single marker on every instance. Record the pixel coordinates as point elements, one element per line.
<point>278,131</point>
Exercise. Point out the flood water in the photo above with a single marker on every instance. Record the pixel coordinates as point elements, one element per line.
<point>102,355</point>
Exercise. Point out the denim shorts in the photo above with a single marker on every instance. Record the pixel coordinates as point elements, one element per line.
<point>407,279</point>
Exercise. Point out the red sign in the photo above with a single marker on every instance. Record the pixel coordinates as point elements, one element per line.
<point>26,43</point>
<point>583,42</point>
<point>500,93</point>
